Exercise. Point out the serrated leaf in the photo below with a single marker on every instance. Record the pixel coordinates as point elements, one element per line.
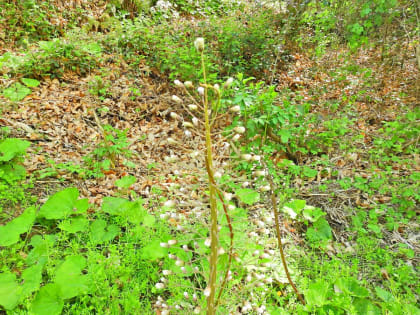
<point>248,196</point>
<point>10,233</point>
<point>125,182</point>
<point>30,82</point>
<point>68,277</point>
<point>48,301</point>
<point>73,225</point>
<point>12,147</point>
<point>60,205</point>
<point>9,291</point>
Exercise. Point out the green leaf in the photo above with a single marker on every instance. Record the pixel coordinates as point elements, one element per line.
<point>30,82</point>
<point>32,278</point>
<point>12,172</point>
<point>41,248</point>
<point>366,307</point>
<point>153,251</point>
<point>125,182</point>
<point>131,210</point>
<point>296,205</point>
<point>12,147</point>
<point>99,235</point>
<point>309,172</point>
<point>317,293</point>
<point>320,231</point>
<point>48,301</point>
<point>350,286</point>
<point>16,92</point>
<point>68,277</point>
<point>9,233</point>
<point>149,220</point>
<point>312,214</point>
<point>76,224</point>
<point>9,291</point>
<point>248,196</point>
<point>60,205</point>
<point>114,205</point>
<point>384,295</point>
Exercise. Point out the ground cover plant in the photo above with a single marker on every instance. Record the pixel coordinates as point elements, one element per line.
<point>209,157</point>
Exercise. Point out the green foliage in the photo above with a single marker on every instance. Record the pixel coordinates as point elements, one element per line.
<point>10,233</point>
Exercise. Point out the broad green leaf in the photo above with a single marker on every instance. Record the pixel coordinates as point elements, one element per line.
<point>125,182</point>
<point>384,295</point>
<point>41,248</point>
<point>30,82</point>
<point>317,293</point>
<point>312,214</point>
<point>68,277</point>
<point>366,307</point>
<point>11,147</point>
<point>248,196</point>
<point>100,232</point>
<point>149,220</point>
<point>16,92</point>
<point>76,224</point>
<point>133,211</point>
<point>10,233</point>
<point>60,205</point>
<point>11,172</point>
<point>32,278</point>
<point>114,205</point>
<point>320,231</point>
<point>309,172</point>
<point>153,251</point>
<point>9,291</point>
<point>350,286</point>
<point>48,301</point>
<point>81,205</point>
<point>296,205</point>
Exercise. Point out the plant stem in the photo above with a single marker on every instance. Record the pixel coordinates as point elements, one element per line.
<point>211,308</point>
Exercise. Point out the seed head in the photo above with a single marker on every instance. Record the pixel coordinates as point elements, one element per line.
<point>193,107</point>
<point>188,84</point>
<point>160,285</point>
<point>178,83</point>
<point>176,99</point>
<point>235,109</point>
<point>200,90</point>
<point>239,129</point>
<point>199,44</point>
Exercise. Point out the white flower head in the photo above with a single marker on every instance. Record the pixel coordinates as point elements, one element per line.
<point>172,242</point>
<point>188,84</point>
<point>160,285</point>
<point>195,121</point>
<point>178,83</point>
<point>174,115</point>
<point>228,83</point>
<point>193,107</point>
<point>200,90</point>
<point>207,242</point>
<point>239,129</point>
<point>199,44</point>
<point>246,157</point>
<point>176,99</point>
<point>236,137</point>
<point>169,203</point>
<point>207,291</point>
<point>235,109</point>
<point>217,87</point>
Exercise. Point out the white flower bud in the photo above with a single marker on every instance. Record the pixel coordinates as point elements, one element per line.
<point>171,141</point>
<point>246,157</point>
<point>194,154</point>
<point>265,188</point>
<point>185,248</point>
<point>221,251</point>
<point>259,173</point>
<point>195,121</point>
<point>179,263</point>
<point>169,203</point>
<point>200,90</point>
<point>163,280</point>
<point>231,207</point>
<point>178,83</point>
<point>207,291</point>
<point>256,253</point>
<point>256,158</point>
<point>235,109</point>
<point>217,174</point>
<point>186,295</point>
<point>187,133</point>
<point>193,107</point>
<point>164,216</point>
<point>183,269</point>
<point>217,87</point>
<point>194,297</point>
<point>160,286</point>
<point>197,310</point>
<point>166,272</point>
<point>236,137</point>
<point>207,242</point>
<point>248,278</point>
<point>172,256</point>
<point>187,124</point>
<point>176,99</point>
<point>188,84</point>
<point>228,83</point>
<point>245,184</point>
<point>171,159</point>
<point>239,129</point>
<point>164,245</point>
<point>174,115</point>
<point>199,44</point>
<point>228,196</point>
<point>172,242</point>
